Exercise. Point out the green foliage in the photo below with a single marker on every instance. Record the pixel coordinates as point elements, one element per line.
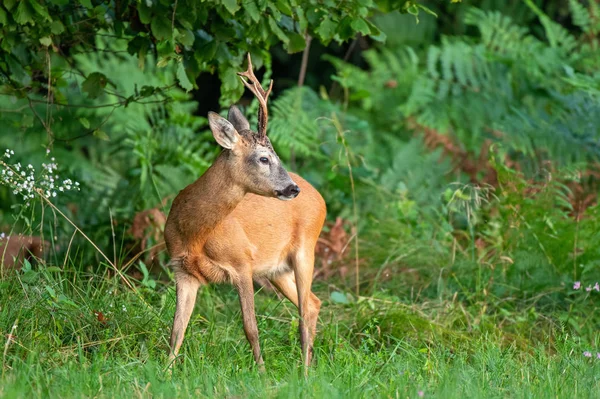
<point>508,86</point>
<point>195,36</point>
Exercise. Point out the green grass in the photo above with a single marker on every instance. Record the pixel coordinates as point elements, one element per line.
<point>376,348</point>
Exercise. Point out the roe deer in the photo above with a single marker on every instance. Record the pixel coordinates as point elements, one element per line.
<point>235,223</point>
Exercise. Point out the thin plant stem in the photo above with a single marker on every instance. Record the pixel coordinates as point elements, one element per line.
<point>340,131</point>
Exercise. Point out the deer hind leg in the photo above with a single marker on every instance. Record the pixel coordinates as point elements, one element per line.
<point>308,304</point>
<point>246,293</point>
<point>187,288</point>
<point>286,284</point>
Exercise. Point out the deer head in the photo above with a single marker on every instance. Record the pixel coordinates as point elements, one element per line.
<point>251,159</point>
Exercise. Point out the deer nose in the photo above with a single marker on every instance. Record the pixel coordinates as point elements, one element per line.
<point>290,191</point>
<point>293,190</point>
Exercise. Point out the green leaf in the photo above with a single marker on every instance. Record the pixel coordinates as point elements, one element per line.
<point>84,122</point>
<point>345,30</point>
<point>301,18</point>
<point>46,41</point>
<point>231,6</point>
<point>53,269</point>
<point>161,27</point>
<point>87,4</point>
<point>183,79</point>
<point>186,37</point>
<point>297,43</point>
<point>3,17</point>
<point>147,91</point>
<point>101,134</point>
<point>40,9</point>
<point>327,29</point>
<point>9,4</point>
<point>377,34</point>
<point>144,12</point>
<point>57,27</point>
<point>222,31</point>
<point>278,31</point>
<point>24,13</point>
<point>252,11</point>
<point>339,297</point>
<point>360,25</point>
<point>284,7</point>
<point>94,84</point>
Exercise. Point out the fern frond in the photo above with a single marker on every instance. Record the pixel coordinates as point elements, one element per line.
<point>293,122</point>
<point>580,15</point>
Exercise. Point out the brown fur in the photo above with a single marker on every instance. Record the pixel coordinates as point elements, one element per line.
<point>14,250</point>
<point>228,227</point>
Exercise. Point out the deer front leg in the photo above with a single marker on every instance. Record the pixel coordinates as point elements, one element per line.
<point>246,293</point>
<point>187,288</point>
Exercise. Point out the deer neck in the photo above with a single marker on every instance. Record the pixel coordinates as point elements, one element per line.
<point>214,196</point>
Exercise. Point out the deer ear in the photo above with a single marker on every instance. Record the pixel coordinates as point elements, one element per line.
<point>223,131</point>
<point>237,119</point>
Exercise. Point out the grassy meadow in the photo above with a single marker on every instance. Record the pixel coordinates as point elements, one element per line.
<point>71,334</point>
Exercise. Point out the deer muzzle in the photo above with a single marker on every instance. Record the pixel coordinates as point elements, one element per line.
<point>290,192</point>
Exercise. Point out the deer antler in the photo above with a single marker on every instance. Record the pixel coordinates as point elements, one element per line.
<point>252,83</point>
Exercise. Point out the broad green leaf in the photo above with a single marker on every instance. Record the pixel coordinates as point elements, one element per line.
<point>161,27</point>
<point>183,79</point>
<point>94,84</point>
<point>223,31</point>
<point>339,297</point>
<point>3,17</point>
<point>327,29</point>
<point>165,48</point>
<point>301,18</point>
<point>87,4</point>
<point>101,134</point>
<point>231,6</point>
<point>377,34</point>
<point>345,30</point>
<point>278,31</point>
<point>252,10</point>
<point>144,12</point>
<point>57,27</point>
<point>9,4</point>
<point>185,37</point>
<point>40,9</point>
<point>360,25</point>
<point>206,51</point>
<point>297,43</point>
<point>284,7</point>
<point>46,41</point>
<point>24,13</point>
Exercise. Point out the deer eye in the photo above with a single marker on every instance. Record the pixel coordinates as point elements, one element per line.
<point>264,160</point>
